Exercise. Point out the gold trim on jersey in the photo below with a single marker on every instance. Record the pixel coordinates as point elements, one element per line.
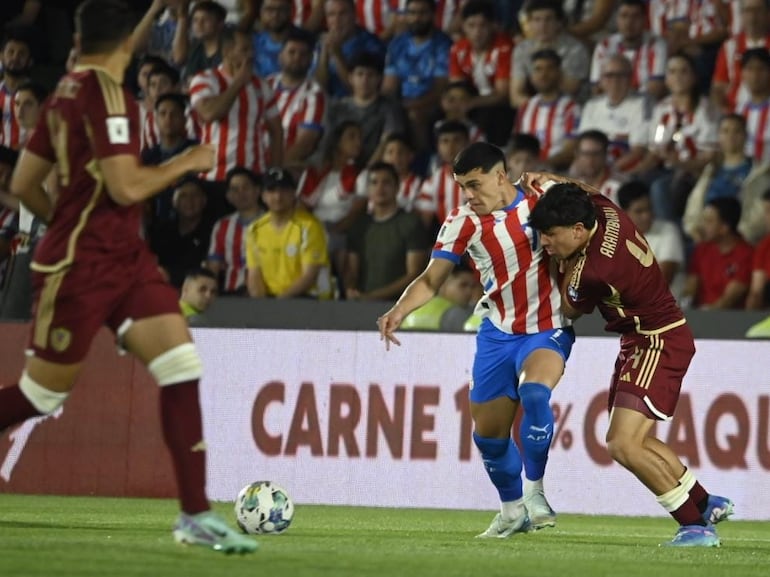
<point>112,92</point>
<point>661,330</point>
<point>577,271</point>
<point>93,169</point>
<point>650,361</point>
<point>46,308</point>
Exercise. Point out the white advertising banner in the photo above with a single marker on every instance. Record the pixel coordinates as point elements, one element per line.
<point>336,419</point>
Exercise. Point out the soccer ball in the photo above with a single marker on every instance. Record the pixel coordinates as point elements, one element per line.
<point>263,508</point>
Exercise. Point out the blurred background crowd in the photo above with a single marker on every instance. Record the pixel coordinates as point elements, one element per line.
<point>335,123</point>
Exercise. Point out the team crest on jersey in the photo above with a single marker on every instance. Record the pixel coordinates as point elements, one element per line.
<point>60,339</point>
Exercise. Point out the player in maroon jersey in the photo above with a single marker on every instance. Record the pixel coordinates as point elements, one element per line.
<point>607,264</point>
<point>93,269</point>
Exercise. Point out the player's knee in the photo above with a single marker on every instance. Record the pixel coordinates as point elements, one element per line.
<point>622,450</point>
<point>44,400</point>
<point>178,365</point>
<point>491,448</point>
<point>536,400</point>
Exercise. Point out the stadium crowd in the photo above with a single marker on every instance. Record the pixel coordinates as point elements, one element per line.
<point>335,123</point>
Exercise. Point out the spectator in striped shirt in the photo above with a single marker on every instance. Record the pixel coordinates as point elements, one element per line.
<point>161,80</point>
<point>234,107</point>
<point>16,58</point>
<point>551,115</point>
<point>755,75</point>
<point>591,166</point>
<point>300,99</point>
<point>454,106</point>
<point>398,151</point>
<point>727,92</point>
<point>227,249</point>
<point>646,53</point>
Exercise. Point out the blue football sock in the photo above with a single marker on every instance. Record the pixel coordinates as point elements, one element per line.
<point>536,428</point>
<point>503,464</point>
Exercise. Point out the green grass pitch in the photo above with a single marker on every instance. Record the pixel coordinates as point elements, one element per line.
<point>69,536</point>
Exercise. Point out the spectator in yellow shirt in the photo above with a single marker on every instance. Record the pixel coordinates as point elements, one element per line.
<point>286,254</point>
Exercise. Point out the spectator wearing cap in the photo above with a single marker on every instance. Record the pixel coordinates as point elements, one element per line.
<point>199,290</point>
<point>417,67</point>
<point>227,249</point>
<point>182,243</point>
<point>300,99</point>
<point>286,254</point>
<point>172,139</point>
<point>197,42</point>
<point>755,77</point>
<point>235,107</point>
<point>339,44</point>
<point>16,60</point>
<point>546,23</point>
<point>376,114</point>
<point>551,115</point>
<point>387,248</point>
<point>483,57</point>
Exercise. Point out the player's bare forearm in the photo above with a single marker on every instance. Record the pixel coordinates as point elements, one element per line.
<point>425,286</point>
<point>27,184</point>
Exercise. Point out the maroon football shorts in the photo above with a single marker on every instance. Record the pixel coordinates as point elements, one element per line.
<point>649,371</point>
<point>70,306</point>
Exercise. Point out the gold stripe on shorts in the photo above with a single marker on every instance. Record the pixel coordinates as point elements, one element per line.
<point>46,307</point>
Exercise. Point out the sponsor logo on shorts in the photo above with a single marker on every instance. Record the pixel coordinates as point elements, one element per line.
<point>60,339</point>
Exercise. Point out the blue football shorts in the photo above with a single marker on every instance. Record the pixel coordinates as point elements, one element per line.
<point>500,357</point>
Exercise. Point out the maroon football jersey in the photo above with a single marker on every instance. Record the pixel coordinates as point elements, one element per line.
<point>619,274</point>
<point>89,117</point>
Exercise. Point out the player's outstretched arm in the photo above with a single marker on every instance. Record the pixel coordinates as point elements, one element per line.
<point>419,292</point>
<point>27,184</point>
<point>129,182</point>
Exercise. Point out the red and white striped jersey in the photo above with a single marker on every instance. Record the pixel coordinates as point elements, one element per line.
<point>11,134</point>
<point>701,14</point>
<point>520,295</point>
<point>237,137</point>
<point>151,133</point>
<point>610,185</point>
<point>301,107</point>
<point>690,132</point>
<point>648,61</point>
<point>482,70</point>
<point>657,17</point>
<point>728,65</point>
<point>757,129</point>
<point>301,11</point>
<point>440,193</point>
<point>376,15</point>
<point>228,247</point>
<point>552,122</point>
<point>736,24</point>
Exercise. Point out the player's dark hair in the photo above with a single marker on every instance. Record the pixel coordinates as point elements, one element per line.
<point>524,142</point>
<point>302,36</point>
<point>369,60</point>
<point>483,8</point>
<point>761,55</point>
<point>8,156</point>
<point>255,178</point>
<point>548,54</point>
<point>729,211</point>
<point>195,273</point>
<point>385,167</point>
<point>632,191</point>
<point>176,97</point>
<point>213,8</point>
<point>481,155</point>
<point>596,136</point>
<point>39,91</point>
<point>102,25</point>
<point>552,5</point>
<point>563,205</point>
<point>166,70</point>
<point>452,127</point>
